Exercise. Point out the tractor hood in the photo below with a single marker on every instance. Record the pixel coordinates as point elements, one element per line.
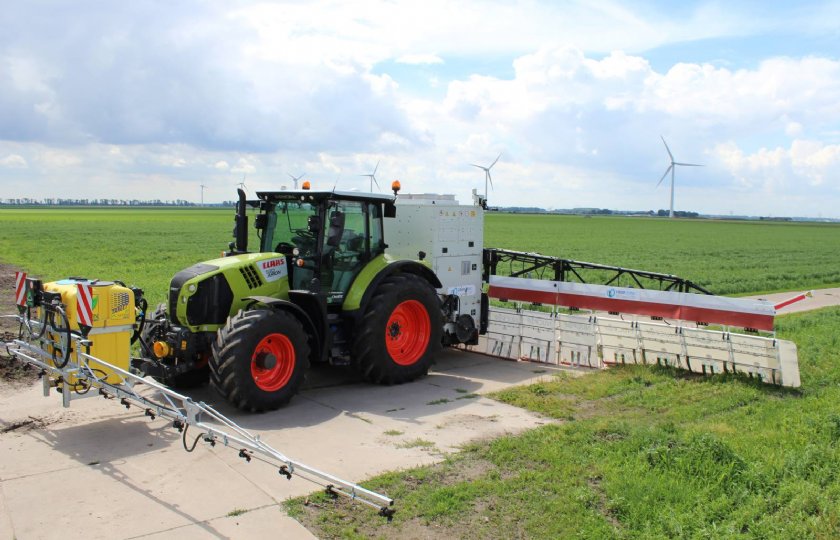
<point>202,296</point>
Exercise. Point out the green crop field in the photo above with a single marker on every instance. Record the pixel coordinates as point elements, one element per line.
<point>146,247</point>
<point>727,257</point>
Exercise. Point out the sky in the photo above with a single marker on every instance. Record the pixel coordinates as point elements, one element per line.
<point>152,99</point>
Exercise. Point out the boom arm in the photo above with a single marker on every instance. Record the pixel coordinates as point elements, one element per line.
<point>160,401</point>
<point>520,263</point>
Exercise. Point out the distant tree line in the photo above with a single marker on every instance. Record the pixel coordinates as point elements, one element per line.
<point>678,213</point>
<point>597,212</point>
<point>26,201</point>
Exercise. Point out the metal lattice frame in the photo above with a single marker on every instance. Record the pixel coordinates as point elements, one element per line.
<point>518,263</point>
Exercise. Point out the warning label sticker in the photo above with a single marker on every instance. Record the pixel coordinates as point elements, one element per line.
<point>462,290</point>
<point>273,269</point>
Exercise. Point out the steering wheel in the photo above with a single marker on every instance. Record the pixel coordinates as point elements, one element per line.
<point>285,248</point>
<point>306,234</point>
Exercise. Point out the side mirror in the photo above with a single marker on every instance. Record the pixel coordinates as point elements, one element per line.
<point>313,224</point>
<point>390,210</point>
<point>260,221</point>
<point>336,229</point>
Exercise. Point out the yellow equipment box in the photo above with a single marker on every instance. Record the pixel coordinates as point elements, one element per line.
<point>113,322</point>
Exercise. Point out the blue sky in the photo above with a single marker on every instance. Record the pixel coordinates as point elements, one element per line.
<point>152,99</point>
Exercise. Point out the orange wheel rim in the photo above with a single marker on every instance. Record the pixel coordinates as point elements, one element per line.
<point>407,332</point>
<point>203,360</point>
<point>273,362</point>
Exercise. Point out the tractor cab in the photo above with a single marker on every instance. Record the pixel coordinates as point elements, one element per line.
<point>327,237</point>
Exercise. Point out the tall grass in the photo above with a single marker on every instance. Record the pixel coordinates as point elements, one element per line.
<point>639,453</point>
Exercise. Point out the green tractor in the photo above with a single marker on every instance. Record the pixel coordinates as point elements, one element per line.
<point>318,287</point>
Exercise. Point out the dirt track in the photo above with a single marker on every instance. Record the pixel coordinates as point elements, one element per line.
<point>820,298</point>
<point>11,373</point>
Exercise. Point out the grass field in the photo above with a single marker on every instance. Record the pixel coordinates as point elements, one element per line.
<point>636,452</point>
<point>727,257</point>
<point>146,247</point>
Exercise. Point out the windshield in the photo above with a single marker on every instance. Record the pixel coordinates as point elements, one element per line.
<point>291,227</point>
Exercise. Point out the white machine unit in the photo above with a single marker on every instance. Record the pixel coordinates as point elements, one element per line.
<point>449,238</point>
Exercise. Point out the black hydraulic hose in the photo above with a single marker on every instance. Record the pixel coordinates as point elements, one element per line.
<point>144,306</point>
<point>64,330</point>
<point>184,439</point>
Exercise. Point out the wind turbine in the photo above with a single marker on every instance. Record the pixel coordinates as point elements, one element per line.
<point>487,177</point>
<point>241,185</point>
<point>296,178</point>
<point>203,187</point>
<point>671,168</point>
<point>372,177</point>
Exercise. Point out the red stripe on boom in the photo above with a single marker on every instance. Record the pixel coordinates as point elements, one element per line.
<point>669,311</point>
<point>791,301</point>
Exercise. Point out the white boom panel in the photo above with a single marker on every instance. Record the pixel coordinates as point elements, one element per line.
<point>596,342</point>
<point>705,308</point>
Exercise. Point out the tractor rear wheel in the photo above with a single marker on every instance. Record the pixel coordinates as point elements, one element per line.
<point>259,360</point>
<point>400,332</point>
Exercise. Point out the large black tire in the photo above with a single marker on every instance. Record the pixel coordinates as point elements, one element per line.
<point>260,358</point>
<point>400,333</point>
<point>191,379</point>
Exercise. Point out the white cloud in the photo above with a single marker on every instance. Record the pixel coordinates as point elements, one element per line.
<point>419,59</point>
<point>14,161</point>
<point>778,169</point>
<point>816,161</point>
<point>58,158</point>
<point>794,129</point>
<point>245,166</point>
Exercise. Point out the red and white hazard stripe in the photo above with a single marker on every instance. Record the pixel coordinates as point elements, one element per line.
<point>84,304</point>
<point>20,288</point>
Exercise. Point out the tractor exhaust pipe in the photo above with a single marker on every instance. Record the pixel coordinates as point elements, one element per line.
<point>240,231</point>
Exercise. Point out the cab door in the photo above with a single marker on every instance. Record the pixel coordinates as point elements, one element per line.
<point>354,237</point>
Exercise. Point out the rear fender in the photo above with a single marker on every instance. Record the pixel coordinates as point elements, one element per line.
<point>372,275</point>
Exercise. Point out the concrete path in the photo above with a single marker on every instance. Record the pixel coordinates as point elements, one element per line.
<point>99,471</point>
<point>821,298</point>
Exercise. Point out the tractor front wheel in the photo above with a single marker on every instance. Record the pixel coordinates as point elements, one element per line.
<point>259,360</point>
<point>400,332</point>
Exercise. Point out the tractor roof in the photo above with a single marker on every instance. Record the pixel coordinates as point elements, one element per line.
<point>298,195</point>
